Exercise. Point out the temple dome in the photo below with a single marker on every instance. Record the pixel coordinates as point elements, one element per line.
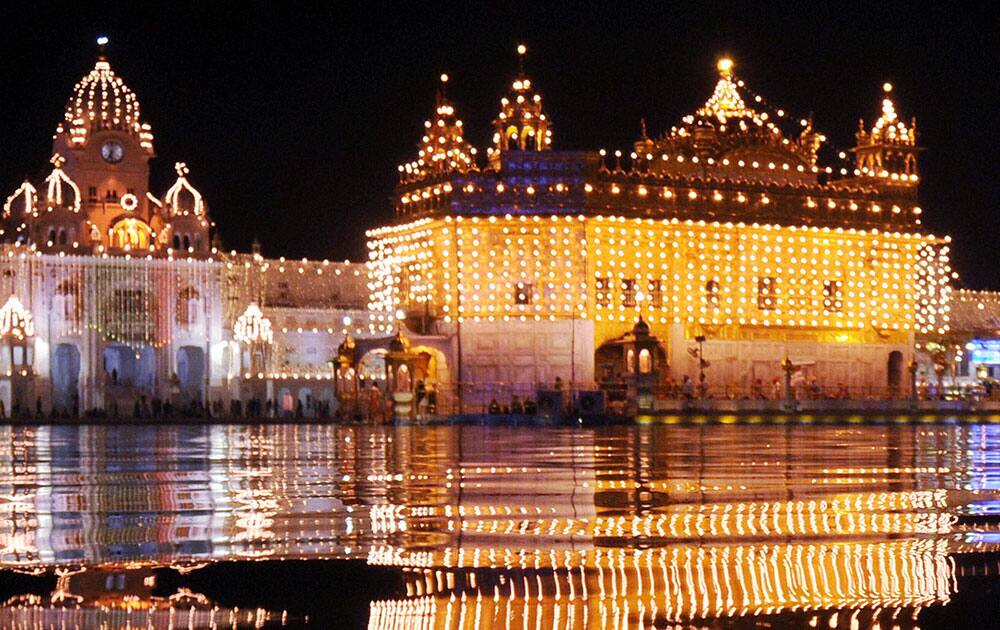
<point>101,101</point>
<point>728,132</point>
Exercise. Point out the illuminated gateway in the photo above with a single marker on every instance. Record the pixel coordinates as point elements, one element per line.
<point>538,262</point>
<point>114,292</point>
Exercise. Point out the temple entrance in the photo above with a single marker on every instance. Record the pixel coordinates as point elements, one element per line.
<point>285,403</point>
<point>616,364</point>
<point>371,368</point>
<point>191,373</point>
<point>130,367</point>
<point>895,372</point>
<point>305,399</point>
<point>431,366</point>
<point>66,378</point>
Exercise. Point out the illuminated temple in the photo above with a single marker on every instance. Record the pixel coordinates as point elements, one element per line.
<point>115,292</point>
<point>538,263</point>
<point>737,237</point>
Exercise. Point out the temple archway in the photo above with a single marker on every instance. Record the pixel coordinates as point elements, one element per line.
<point>65,377</point>
<point>431,366</point>
<point>131,234</point>
<point>894,367</point>
<point>191,372</point>
<point>371,367</point>
<point>305,398</point>
<point>135,367</point>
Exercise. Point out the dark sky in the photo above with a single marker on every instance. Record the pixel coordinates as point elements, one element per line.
<point>293,119</point>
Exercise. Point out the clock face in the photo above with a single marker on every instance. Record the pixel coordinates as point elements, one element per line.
<point>112,152</point>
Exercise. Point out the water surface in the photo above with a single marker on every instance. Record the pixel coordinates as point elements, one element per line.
<point>502,527</point>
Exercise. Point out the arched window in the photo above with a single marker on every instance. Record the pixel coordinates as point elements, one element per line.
<point>630,361</point>
<point>62,236</point>
<point>68,293</point>
<point>177,241</point>
<point>528,135</point>
<point>712,293</point>
<point>130,234</point>
<point>512,137</point>
<point>52,235</point>
<point>187,242</point>
<point>645,361</point>
<point>187,307</point>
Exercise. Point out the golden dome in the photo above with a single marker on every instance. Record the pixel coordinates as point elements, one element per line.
<point>100,101</point>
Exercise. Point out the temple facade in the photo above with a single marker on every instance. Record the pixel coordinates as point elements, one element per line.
<point>117,295</point>
<point>729,234</point>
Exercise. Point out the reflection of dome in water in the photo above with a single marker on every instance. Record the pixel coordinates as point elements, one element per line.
<point>121,612</point>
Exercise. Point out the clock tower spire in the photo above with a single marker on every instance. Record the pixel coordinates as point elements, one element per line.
<point>107,147</point>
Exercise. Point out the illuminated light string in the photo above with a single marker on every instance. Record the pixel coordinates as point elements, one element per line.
<point>28,193</point>
<point>533,268</point>
<point>815,198</point>
<point>172,198</point>
<point>15,320</point>
<point>443,148</point>
<point>848,167</point>
<point>252,327</point>
<point>521,123</point>
<point>56,179</point>
<point>725,103</point>
<point>101,100</point>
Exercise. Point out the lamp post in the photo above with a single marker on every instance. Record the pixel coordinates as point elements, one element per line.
<point>788,367</point>
<point>253,330</point>
<point>911,367</point>
<point>702,390</point>
<point>17,329</point>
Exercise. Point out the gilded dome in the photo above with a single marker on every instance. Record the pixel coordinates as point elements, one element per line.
<point>100,101</point>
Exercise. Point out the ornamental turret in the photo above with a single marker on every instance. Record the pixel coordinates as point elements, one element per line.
<point>55,224</point>
<point>887,153</point>
<point>185,214</point>
<point>522,124</point>
<point>443,148</point>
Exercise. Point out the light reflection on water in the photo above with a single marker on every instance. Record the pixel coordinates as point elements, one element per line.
<point>615,527</point>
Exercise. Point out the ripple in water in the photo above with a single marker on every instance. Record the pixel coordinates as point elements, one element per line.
<point>501,527</point>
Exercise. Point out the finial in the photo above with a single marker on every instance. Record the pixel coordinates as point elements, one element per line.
<point>642,122</point>
<point>887,87</point>
<point>102,41</point>
<point>182,169</point>
<point>725,66</point>
<point>442,90</point>
<point>522,50</point>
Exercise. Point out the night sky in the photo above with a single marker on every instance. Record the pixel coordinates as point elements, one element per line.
<point>293,120</point>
